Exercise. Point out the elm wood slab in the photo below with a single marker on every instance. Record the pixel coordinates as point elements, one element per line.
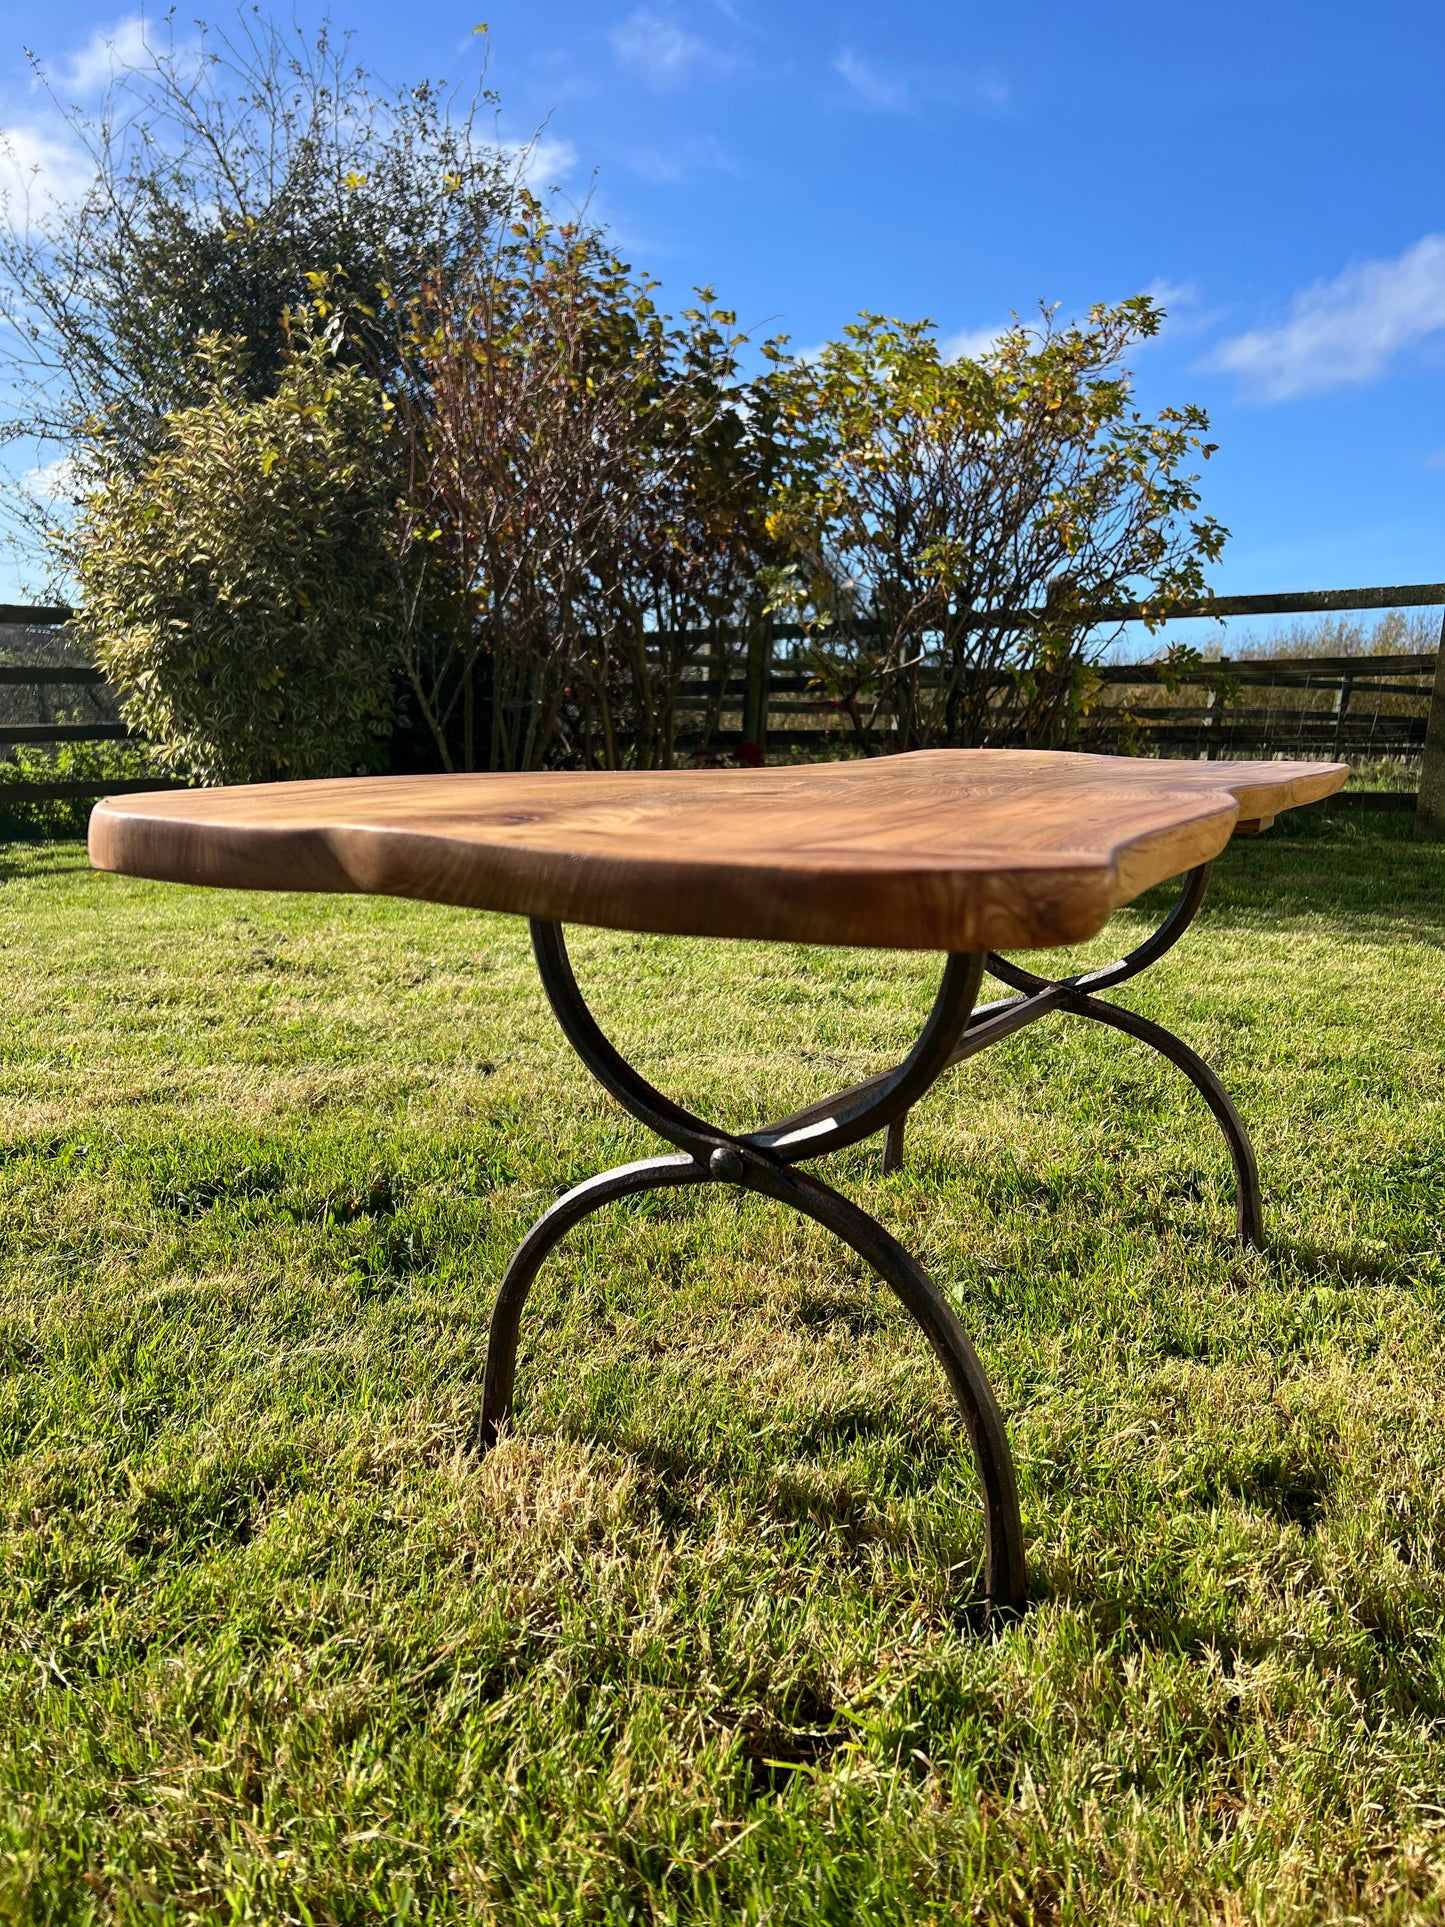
<point>941,850</point>
<point>963,851</point>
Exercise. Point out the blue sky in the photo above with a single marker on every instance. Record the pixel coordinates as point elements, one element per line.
<point>1274,172</point>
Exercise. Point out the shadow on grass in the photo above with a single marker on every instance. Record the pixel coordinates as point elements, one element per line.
<point>1361,875</point>
<point>1385,1645</point>
<point>1309,1262</point>
<point>23,855</point>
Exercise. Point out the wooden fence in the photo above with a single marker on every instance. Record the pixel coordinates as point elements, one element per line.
<point>1326,708</point>
<point>39,634</point>
<point>1319,708</point>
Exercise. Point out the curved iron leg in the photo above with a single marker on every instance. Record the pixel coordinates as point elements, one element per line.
<point>647,1175</point>
<point>1005,1568</point>
<point>764,1162</point>
<point>1150,950</point>
<point>847,1117</point>
<point>1249,1206</point>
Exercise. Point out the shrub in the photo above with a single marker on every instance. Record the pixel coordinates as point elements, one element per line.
<point>591,483</point>
<point>226,170</point>
<point>101,762</point>
<point>242,595</point>
<point>919,494</point>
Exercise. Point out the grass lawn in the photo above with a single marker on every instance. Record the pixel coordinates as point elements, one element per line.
<point>694,1643</point>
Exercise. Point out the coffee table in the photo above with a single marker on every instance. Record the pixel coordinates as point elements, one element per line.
<point>971,852</point>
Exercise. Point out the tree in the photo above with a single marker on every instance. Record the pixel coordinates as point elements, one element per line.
<point>240,591</point>
<point>920,495</point>
<point>227,172</point>
<point>589,479</point>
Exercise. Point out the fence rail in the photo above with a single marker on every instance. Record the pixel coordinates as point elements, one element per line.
<point>1330,707</point>
<point>43,629</point>
<point>1324,708</point>
<point>13,674</point>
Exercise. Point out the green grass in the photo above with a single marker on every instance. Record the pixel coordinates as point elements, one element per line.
<point>695,1642</point>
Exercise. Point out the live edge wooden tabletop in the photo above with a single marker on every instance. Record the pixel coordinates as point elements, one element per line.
<point>938,850</point>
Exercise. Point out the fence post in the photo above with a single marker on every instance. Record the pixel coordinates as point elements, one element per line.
<point>1211,720</point>
<point>760,675</point>
<point>1344,690</point>
<point>1430,810</point>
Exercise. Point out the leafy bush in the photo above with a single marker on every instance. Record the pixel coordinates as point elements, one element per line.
<point>592,485</point>
<point>504,486</point>
<point>241,597</point>
<point>919,494</point>
<point>227,169</point>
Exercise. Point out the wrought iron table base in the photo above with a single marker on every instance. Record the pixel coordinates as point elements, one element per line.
<point>765,1161</point>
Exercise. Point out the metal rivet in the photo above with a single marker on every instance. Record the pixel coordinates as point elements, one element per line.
<point>726,1165</point>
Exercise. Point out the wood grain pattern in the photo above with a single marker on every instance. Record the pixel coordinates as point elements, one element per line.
<point>940,850</point>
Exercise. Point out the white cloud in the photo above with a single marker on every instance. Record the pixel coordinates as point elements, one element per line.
<point>540,162</point>
<point>666,167</point>
<point>1343,331</point>
<point>41,165</point>
<point>108,52</point>
<point>886,93</point>
<point>969,343</point>
<point>39,170</point>
<point>1184,312</point>
<point>873,88</point>
<point>52,481</point>
<point>662,52</point>
<point>1173,296</point>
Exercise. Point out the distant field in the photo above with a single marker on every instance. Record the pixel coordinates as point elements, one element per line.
<point>1401,632</point>
<point>694,1643</point>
